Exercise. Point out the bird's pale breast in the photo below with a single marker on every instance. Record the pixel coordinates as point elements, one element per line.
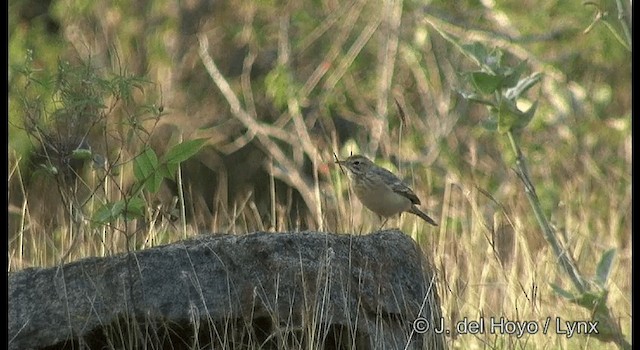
<point>382,201</point>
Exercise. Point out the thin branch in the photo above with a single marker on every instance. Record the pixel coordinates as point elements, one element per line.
<point>336,48</point>
<point>392,14</point>
<point>353,52</point>
<point>549,233</point>
<point>302,131</point>
<point>288,171</point>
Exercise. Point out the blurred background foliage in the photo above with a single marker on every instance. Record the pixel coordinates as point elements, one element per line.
<point>300,80</point>
<point>345,63</point>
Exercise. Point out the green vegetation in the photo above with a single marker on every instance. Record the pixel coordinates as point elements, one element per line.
<point>512,124</point>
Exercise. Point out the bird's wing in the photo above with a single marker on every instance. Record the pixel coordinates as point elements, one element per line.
<point>399,187</point>
<point>402,189</point>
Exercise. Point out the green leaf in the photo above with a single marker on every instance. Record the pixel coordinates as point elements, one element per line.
<point>561,292</point>
<point>493,62</point>
<point>590,300</point>
<point>129,210</point>
<point>474,97</point>
<point>145,169</point>
<point>523,86</point>
<point>623,38</point>
<point>135,209</point>
<point>476,52</point>
<point>183,151</point>
<point>49,169</point>
<point>512,75</point>
<point>508,115</point>
<point>178,154</point>
<point>169,170</point>
<point>145,164</point>
<point>491,123</point>
<point>109,212</point>
<point>604,267</point>
<point>486,83</point>
<point>153,185</point>
<point>525,117</point>
<point>81,154</point>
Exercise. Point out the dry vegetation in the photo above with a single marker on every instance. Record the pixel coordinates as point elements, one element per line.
<point>276,98</point>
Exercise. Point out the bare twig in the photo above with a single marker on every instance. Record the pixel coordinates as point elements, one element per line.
<point>301,129</point>
<point>336,48</point>
<point>285,170</point>
<point>391,13</point>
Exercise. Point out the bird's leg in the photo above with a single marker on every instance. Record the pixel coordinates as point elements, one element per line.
<point>383,222</point>
<point>397,222</point>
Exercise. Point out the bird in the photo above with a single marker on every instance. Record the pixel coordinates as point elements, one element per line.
<point>380,190</point>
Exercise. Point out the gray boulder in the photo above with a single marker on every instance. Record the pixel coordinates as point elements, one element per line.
<point>302,290</point>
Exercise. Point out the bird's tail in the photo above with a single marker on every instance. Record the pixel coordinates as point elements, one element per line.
<point>421,214</point>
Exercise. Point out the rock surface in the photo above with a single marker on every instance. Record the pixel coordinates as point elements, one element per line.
<point>255,291</point>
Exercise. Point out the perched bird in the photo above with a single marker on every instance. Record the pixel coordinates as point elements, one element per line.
<point>380,190</point>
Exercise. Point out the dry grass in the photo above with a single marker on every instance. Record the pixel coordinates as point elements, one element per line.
<point>491,263</point>
<point>492,260</point>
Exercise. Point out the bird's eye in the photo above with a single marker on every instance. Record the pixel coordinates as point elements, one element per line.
<point>356,162</point>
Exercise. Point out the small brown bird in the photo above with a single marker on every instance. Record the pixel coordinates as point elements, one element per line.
<point>380,190</point>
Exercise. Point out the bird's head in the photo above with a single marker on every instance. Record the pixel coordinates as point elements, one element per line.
<point>356,164</point>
